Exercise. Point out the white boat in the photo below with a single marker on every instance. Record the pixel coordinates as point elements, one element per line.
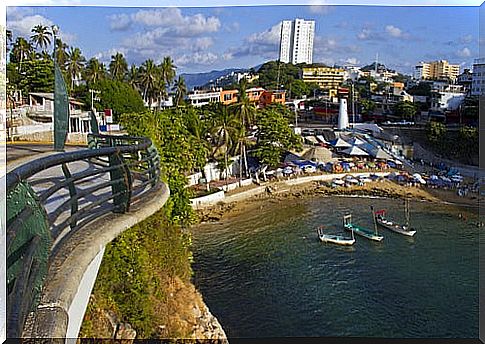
<point>380,218</point>
<point>334,238</point>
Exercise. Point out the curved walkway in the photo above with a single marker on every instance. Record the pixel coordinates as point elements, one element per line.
<point>64,290</point>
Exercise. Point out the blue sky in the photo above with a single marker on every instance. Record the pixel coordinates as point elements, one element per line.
<point>204,39</point>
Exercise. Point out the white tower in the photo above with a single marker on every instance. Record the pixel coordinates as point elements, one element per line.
<point>343,117</point>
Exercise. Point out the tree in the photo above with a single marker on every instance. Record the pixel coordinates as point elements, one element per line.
<point>118,67</point>
<point>367,106</point>
<point>134,77</point>
<point>179,153</point>
<point>180,90</point>
<point>435,131</point>
<point>74,64</point>
<point>224,132</point>
<point>41,36</point>
<point>149,75</point>
<point>405,110</point>
<point>94,71</point>
<point>244,112</point>
<point>298,89</point>
<point>21,51</point>
<point>274,137</point>
<point>421,89</point>
<point>119,96</point>
<point>36,76</point>
<point>167,70</point>
<point>61,53</point>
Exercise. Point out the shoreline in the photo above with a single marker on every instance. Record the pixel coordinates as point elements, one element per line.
<point>245,200</point>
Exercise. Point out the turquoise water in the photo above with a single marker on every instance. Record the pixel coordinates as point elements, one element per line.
<point>266,274</point>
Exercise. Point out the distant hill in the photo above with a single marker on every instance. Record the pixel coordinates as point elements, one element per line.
<point>199,79</point>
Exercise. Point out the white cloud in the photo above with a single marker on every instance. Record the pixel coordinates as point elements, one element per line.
<point>466,39</point>
<point>465,52</point>
<point>352,61</point>
<point>264,44</point>
<point>394,31</point>
<point>364,34</point>
<point>119,22</point>
<point>22,25</point>
<point>196,58</point>
<point>319,6</point>
<point>171,19</point>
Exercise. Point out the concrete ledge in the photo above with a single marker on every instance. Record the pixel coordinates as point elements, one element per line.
<point>69,264</point>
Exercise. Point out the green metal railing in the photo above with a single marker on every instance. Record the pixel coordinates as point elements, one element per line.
<point>51,198</point>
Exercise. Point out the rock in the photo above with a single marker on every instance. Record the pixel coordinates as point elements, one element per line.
<point>125,331</point>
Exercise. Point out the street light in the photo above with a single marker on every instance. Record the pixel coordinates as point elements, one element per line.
<point>55,31</point>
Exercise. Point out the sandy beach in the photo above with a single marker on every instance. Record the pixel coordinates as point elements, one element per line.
<point>285,193</point>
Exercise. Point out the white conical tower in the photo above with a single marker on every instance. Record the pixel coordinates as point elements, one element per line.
<point>343,117</point>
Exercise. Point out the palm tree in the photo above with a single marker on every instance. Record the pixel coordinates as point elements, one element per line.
<point>61,52</point>
<point>133,76</point>
<point>75,64</point>
<point>21,50</point>
<point>223,132</point>
<point>244,112</point>
<point>118,67</point>
<point>44,55</point>
<point>94,71</point>
<point>149,74</point>
<point>167,70</point>
<point>180,90</point>
<point>41,36</point>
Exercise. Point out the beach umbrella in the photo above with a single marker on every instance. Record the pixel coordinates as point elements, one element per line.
<point>355,141</point>
<point>322,139</point>
<point>355,151</point>
<point>318,154</point>
<point>339,143</point>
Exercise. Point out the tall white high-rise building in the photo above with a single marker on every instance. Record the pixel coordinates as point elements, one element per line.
<point>296,41</point>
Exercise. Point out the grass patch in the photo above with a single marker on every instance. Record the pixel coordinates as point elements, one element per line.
<point>141,281</point>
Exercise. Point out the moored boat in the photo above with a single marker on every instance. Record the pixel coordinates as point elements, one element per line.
<point>334,238</point>
<point>365,232</point>
<point>380,218</point>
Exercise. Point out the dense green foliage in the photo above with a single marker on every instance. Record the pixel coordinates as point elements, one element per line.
<point>36,76</point>
<point>273,71</point>
<point>405,110</point>
<point>435,131</point>
<point>135,273</point>
<point>119,96</point>
<point>421,89</point>
<point>180,151</point>
<point>274,137</point>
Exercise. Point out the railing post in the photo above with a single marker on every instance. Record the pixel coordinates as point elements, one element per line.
<point>121,189</point>
<point>28,244</point>
<point>72,193</point>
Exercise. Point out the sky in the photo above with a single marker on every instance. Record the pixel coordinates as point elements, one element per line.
<point>201,39</point>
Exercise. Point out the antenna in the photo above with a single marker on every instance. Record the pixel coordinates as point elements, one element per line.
<point>377,58</point>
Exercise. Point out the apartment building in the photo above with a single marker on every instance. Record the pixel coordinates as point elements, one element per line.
<point>204,97</point>
<point>272,97</point>
<point>478,77</point>
<point>229,97</point>
<point>436,70</point>
<point>328,78</point>
<point>296,41</point>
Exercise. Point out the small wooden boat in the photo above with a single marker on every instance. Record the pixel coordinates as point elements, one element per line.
<point>365,232</point>
<point>334,238</point>
<point>380,218</point>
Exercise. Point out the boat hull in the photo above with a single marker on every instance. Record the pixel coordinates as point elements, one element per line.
<point>364,233</point>
<point>337,240</point>
<point>396,228</point>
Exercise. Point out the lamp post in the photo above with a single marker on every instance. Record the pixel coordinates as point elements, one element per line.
<point>55,31</point>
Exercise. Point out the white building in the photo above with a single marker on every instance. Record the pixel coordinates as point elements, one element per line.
<point>447,98</point>
<point>201,97</point>
<point>296,41</point>
<point>478,77</point>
